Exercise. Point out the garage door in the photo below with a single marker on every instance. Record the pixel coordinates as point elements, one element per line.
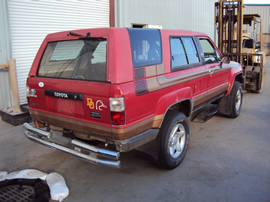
<point>31,20</point>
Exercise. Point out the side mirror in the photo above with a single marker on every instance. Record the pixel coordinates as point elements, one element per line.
<point>225,60</point>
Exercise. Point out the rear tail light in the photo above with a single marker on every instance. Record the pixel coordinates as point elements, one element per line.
<point>30,92</point>
<point>27,95</point>
<point>117,108</point>
<point>118,118</point>
<point>27,91</point>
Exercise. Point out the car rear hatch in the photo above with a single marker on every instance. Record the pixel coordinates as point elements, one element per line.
<point>70,88</point>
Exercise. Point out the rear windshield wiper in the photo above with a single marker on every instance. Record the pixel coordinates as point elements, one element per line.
<point>74,34</point>
<point>87,36</point>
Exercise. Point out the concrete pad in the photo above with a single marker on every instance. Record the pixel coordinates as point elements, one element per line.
<point>227,160</point>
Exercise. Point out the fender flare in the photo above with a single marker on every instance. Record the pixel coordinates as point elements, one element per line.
<point>241,80</point>
<point>173,98</point>
<point>236,71</point>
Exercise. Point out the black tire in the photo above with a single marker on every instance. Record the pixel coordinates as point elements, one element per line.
<point>231,105</point>
<point>172,149</point>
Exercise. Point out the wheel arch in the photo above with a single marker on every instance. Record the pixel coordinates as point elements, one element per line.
<point>237,77</point>
<point>185,106</point>
<point>179,100</point>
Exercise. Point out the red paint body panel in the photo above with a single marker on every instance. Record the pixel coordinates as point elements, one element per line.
<point>163,88</point>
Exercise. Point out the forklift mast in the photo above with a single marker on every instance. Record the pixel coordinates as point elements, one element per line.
<point>229,17</point>
<point>241,46</point>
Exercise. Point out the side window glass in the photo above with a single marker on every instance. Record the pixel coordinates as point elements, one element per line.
<point>191,50</point>
<point>218,56</point>
<point>178,56</point>
<point>146,47</point>
<point>210,53</point>
<point>183,53</point>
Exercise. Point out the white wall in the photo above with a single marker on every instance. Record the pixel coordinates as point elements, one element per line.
<point>195,15</point>
<point>31,20</point>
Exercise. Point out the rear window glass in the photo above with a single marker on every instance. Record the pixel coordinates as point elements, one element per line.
<point>75,59</point>
<point>146,47</point>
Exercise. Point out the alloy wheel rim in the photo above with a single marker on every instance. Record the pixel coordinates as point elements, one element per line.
<point>238,100</point>
<point>177,140</point>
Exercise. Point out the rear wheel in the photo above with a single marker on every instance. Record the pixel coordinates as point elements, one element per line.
<point>174,136</point>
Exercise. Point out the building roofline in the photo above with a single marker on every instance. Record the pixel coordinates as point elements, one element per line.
<point>257,4</point>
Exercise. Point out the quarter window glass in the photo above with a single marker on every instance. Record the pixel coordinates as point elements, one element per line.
<point>146,47</point>
<point>210,53</point>
<point>178,56</point>
<point>191,50</point>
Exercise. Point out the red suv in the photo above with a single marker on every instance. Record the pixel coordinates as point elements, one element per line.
<point>117,89</point>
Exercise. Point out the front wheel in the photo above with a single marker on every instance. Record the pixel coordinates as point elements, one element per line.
<point>231,105</point>
<point>174,139</point>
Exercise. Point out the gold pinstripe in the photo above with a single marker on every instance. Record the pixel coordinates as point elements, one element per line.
<point>154,120</point>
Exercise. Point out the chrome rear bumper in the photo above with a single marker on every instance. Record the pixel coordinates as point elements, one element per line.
<point>43,137</point>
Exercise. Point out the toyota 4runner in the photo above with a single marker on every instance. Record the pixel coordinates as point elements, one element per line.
<point>113,90</point>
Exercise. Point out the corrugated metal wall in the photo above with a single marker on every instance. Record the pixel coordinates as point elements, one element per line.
<point>31,20</point>
<point>171,14</point>
<point>264,12</point>
<point>5,92</point>
<point>4,34</point>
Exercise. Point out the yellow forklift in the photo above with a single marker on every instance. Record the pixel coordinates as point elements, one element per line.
<point>240,38</point>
